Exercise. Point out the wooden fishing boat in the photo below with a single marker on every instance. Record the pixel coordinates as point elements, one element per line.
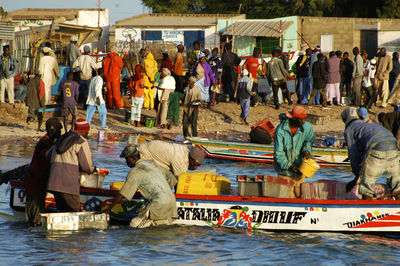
<point>250,213</point>
<point>250,152</point>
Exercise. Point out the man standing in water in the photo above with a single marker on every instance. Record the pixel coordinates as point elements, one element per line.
<point>70,155</point>
<point>150,178</point>
<point>293,141</point>
<point>38,174</point>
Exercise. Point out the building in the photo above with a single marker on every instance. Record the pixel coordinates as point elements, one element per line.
<point>29,18</point>
<point>172,28</point>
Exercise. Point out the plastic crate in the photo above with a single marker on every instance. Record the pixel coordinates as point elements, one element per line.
<point>250,186</point>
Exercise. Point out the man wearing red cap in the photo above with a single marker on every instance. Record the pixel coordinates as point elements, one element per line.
<point>293,141</point>
<point>70,155</point>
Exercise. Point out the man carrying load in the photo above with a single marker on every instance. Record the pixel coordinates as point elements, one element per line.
<point>150,179</point>
<point>293,141</point>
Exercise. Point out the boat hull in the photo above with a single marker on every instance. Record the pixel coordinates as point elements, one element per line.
<point>250,152</point>
<point>250,213</point>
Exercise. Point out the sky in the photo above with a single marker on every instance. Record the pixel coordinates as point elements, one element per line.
<point>119,9</point>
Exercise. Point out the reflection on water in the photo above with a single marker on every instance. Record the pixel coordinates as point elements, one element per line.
<point>181,244</point>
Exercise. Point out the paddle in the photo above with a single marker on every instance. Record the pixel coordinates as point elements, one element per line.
<point>393,194</point>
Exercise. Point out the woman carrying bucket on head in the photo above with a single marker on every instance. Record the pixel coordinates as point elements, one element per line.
<point>293,142</point>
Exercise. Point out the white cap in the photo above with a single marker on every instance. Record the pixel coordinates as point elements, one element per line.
<point>373,61</point>
<point>245,72</point>
<point>74,39</point>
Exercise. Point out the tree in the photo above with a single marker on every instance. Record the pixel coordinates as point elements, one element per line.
<point>3,13</point>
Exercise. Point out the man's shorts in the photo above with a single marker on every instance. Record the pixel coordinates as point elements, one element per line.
<point>68,110</point>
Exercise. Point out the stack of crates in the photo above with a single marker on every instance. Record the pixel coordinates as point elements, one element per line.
<point>265,186</point>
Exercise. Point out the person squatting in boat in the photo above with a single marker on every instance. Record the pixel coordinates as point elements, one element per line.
<point>293,141</point>
<point>372,151</point>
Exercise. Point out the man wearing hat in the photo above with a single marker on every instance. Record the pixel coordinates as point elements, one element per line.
<point>72,51</point>
<point>151,180</point>
<point>8,69</point>
<point>293,142</point>
<point>52,54</point>
<point>38,174</point>
<point>48,67</point>
<point>363,115</point>
<point>85,64</point>
<point>176,158</point>
<point>372,151</point>
<point>68,157</point>
<point>35,98</point>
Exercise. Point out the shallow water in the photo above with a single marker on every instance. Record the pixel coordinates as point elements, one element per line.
<point>181,244</point>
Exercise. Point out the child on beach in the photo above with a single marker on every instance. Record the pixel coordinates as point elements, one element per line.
<point>136,88</point>
<point>69,92</point>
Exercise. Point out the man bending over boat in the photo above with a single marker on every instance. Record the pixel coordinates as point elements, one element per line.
<point>70,154</point>
<point>293,141</point>
<point>372,152</point>
<point>151,180</point>
<point>38,175</point>
<point>175,157</point>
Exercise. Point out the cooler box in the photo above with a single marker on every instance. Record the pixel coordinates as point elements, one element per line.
<point>278,187</point>
<point>324,190</point>
<point>250,186</point>
<point>198,183</point>
<point>71,221</point>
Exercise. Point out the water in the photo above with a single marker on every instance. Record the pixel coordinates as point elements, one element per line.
<point>181,244</point>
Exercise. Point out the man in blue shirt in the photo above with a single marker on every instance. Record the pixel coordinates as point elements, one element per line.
<point>372,152</point>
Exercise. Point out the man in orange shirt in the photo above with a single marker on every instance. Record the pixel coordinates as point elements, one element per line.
<point>253,66</point>
<point>112,65</point>
<point>178,69</point>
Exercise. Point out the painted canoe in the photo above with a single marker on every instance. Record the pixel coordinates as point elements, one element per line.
<point>251,152</point>
<point>251,213</point>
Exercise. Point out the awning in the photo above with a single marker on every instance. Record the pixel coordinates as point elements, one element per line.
<point>6,30</point>
<point>258,28</point>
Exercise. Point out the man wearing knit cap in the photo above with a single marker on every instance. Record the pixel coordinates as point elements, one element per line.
<point>72,51</point>
<point>151,179</point>
<point>372,151</point>
<point>293,142</point>
<point>70,155</point>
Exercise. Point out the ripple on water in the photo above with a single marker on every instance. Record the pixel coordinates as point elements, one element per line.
<point>183,244</point>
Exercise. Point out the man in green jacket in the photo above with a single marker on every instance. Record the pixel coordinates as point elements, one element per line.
<point>293,141</point>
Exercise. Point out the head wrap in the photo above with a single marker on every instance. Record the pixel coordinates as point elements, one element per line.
<point>165,52</point>
<point>81,125</point>
<point>86,49</point>
<point>245,72</point>
<point>373,61</point>
<point>201,54</point>
<point>297,112</point>
<point>166,71</point>
<point>349,114</point>
<point>130,151</point>
<point>74,39</point>
<point>46,50</point>
<point>197,155</point>
<point>138,73</point>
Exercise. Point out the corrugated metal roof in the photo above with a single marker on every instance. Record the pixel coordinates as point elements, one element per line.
<point>47,13</point>
<point>258,28</point>
<point>175,20</point>
<point>6,30</point>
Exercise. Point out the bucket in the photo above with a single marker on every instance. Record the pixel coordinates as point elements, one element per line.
<point>127,116</point>
<point>308,167</point>
<point>150,122</point>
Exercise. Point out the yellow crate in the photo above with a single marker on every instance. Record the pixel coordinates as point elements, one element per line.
<point>202,184</point>
<point>117,185</point>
